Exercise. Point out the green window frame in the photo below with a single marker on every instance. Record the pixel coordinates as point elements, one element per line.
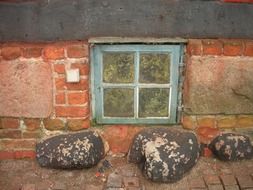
<point>100,87</point>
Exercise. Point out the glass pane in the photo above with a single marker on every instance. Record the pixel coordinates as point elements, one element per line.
<point>118,67</point>
<point>118,102</point>
<point>154,68</point>
<point>153,102</point>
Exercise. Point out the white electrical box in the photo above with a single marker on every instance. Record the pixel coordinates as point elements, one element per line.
<point>73,75</point>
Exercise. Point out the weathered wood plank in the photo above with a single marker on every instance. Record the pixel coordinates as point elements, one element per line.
<point>81,19</point>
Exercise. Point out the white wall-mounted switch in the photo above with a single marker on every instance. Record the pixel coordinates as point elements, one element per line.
<point>73,75</point>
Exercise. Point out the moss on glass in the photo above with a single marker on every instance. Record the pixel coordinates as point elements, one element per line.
<point>154,68</point>
<point>153,102</point>
<point>118,67</point>
<point>118,102</point>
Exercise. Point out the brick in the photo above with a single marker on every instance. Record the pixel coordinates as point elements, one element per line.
<point>78,97</point>
<point>131,181</point>
<point>32,52</point>
<point>189,122</point>
<point>212,47</point>
<point>248,48</point>
<point>54,124</point>
<point>59,68</point>
<point>83,68</point>
<point>32,124</point>
<point>60,84</point>
<point>206,121</point>
<point>72,111</point>
<point>215,187</point>
<point>17,144</point>
<point>207,152</point>
<point>12,134</point>
<point>1,126</point>
<point>226,122</point>
<point>77,51</point>
<point>197,183</point>
<point>194,47</point>
<point>231,187</point>
<point>4,155</point>
<point>228,180</point>
<point>212,179</point>
<point>232,48</point>
<point>245,182</point>
<point>78,124</point>
<point>82,85</point>
<point>54,52</point>
<point>31,134</point>
<point>10,123</point>
<point>207,134</point>
<point>60,98</point>
<point>25,154</point>
<point>10,53</point>
<point>29,187</point>
<point>245,121</point>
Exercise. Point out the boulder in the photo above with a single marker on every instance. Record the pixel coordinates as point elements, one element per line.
<point>70,151</point>
<point>231,147</point>
<point>166,154</point>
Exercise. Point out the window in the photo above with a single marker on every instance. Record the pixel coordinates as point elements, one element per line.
<point>135,83</point>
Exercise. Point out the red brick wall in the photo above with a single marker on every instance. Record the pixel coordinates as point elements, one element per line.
<point>70,103</point>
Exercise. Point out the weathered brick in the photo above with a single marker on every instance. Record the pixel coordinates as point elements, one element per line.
<point>82,85</point>
<point>53,52</point>
<point>14,144</point>
<point>194,47</point>
<point>231,187</point>
<point>78,124</point>
<point>60,98</point>
<point>31,134</point>
<point>248,48</point>
<point>10,123</point>
<point>77,51</point>
<point>10,133</point>
<point>197,183</point>
<point>10,53</point>
<point>60,83</point>
<point>4,155</point>
<point>25,154</point>
<point>245,121</point>
<point>245,182</point>
<point>1,126</point>
<point>212,47</point>
<point>215,187</point>
<point>206,121</point>
<point>28,187</point>
<point>72,111</point>
<point>59,68</point>
<point>78,97</point>
<point>131,181</point>
<point>207,134</point>
<point>32,52</point>
<point>226,121</point>
<point>32,124</point>
<point>189,122</point>
<point>207,152</point>
<point>212,179</point>
<point>83,68</point>
<point>228,180</point>
<point>232,48</point>
<point>54,124</point>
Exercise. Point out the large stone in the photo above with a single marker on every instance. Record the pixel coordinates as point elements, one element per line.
<point>166,154</point>
<point>212,88</point>
<point>79,150</point>
<point>26,89</point>
<point>232,147</point>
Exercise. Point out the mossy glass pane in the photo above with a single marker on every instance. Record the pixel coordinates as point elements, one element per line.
<point>118,102</point>
<point>118,67</point>
<point>153,102</point>
<point>154,68</point>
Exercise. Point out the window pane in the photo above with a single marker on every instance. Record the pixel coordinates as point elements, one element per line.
<point>118,102</point>
<point>118,67</point>
<point>153,102</point>
<point>154,68</point>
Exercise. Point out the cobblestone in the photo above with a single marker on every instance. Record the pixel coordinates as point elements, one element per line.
<point>212,179</point>
<point>245,182</point>
<point>228,180</point>
<point>215,187</point>
<point>232,187</point>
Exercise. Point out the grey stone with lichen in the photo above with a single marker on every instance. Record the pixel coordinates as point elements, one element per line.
<point>165,154</point>
<point>79,150</point>
<point>232,147</point>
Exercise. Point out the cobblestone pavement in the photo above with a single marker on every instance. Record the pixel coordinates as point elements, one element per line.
<point>208,174</point>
